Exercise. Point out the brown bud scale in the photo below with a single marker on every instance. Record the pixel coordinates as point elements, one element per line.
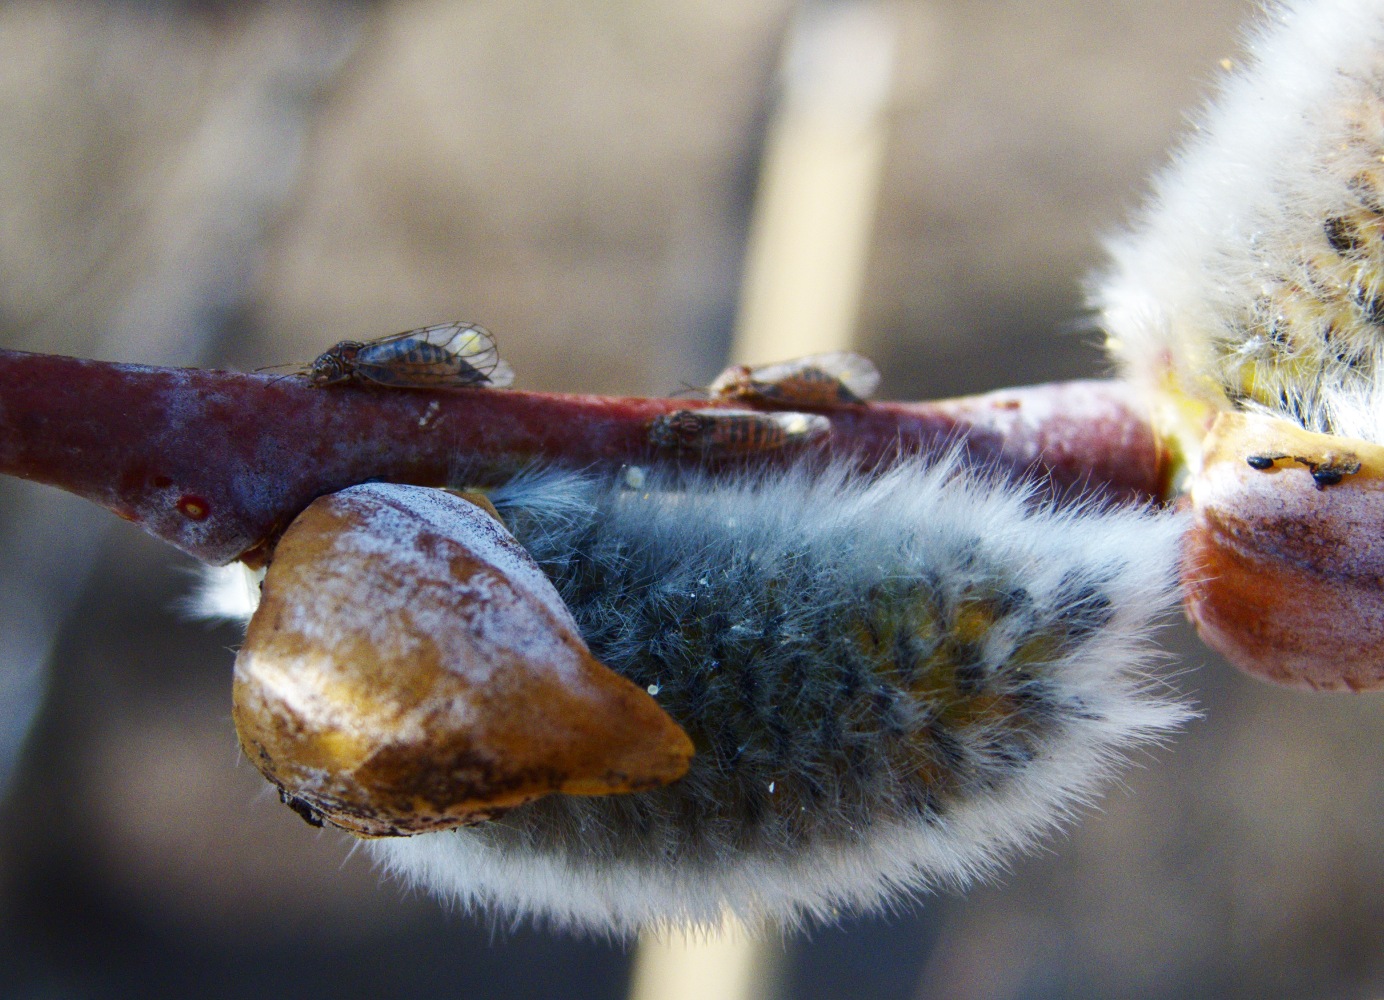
<point>1284,568</point>
<point>410,668</point>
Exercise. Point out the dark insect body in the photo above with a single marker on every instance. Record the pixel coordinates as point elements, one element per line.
<point>734,432</point>
<point>448,355</point>
<point>834,379</point>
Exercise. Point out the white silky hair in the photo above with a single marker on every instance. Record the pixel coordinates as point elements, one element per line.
<point>226,593</point>
<point>1255,276</point>
<point>831,775</point>
<point>1357,411</point>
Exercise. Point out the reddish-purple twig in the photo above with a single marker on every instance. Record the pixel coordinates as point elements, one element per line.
<point>218,463</point>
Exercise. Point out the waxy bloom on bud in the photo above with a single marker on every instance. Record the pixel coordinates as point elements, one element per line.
<point>410,668</point>
<point>1287,545</point>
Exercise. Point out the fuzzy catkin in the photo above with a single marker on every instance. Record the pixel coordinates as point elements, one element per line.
<point>891,682</point>
<point>1254,277</point>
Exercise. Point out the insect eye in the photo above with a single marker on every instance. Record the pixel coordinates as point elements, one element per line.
<point>325,369</point>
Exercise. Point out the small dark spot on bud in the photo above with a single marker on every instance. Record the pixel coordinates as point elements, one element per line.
<point>1327,477</point>
<point>1260,462</point>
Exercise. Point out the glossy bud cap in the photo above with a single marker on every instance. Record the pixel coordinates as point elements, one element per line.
<point>410,668</point>
<point>1284,569</point>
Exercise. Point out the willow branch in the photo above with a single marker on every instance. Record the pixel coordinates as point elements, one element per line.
<point>217,463</point>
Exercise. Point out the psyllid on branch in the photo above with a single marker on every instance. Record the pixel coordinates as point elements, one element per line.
<point>928,670</point>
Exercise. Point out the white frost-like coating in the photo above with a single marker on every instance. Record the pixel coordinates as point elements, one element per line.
<point>393,564</point>
<point>389,520</point>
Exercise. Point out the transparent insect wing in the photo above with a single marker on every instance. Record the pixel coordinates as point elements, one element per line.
<point>799,428</point>
<point>416,363</point>
<point>855,372</point>
<point>734,432</point>
<point>731,382</point>
<point>815,380</point>
<point>472,344</point>
<point>449,354</point>
<point>502,375</point>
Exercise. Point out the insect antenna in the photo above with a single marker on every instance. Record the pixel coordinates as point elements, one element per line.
<point>688,389</point>
<point>298,369</point>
